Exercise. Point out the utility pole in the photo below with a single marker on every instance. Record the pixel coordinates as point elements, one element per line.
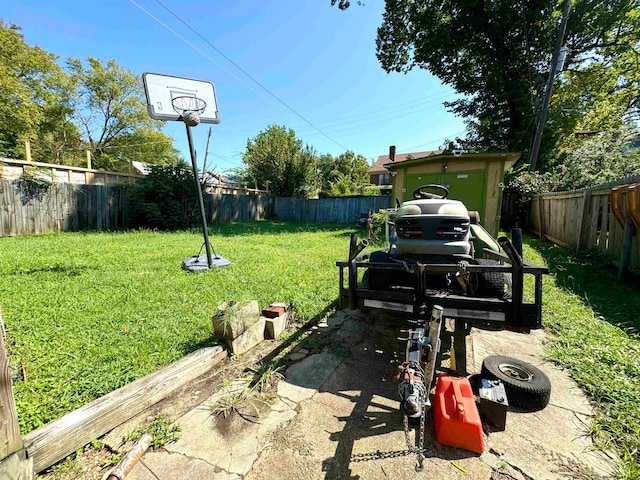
<point>206,154</point>
<point>535,147</point>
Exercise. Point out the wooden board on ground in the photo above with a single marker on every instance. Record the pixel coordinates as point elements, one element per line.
<point>54,441</point>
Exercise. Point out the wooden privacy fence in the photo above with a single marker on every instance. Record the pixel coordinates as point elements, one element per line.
<point>64,207</point>
<point>586,220</point>
<point>61,207</point>
<point>327,210</point>
<point>223,208</point>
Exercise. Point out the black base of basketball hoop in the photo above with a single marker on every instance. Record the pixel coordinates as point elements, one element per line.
<point>198,263</point>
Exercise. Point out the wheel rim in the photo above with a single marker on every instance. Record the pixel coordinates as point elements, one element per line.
<point>516,372</point>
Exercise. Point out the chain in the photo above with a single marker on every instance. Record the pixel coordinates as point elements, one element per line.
<point>420,449</point>
<point>367,457</point>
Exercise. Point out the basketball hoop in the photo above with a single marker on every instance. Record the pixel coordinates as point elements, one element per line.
<point>189,109</point>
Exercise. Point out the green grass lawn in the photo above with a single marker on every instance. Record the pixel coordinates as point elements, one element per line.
<point>86,313</point>
<point>594,320</point>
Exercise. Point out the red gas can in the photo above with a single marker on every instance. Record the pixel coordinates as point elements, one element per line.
<point>456,415</point>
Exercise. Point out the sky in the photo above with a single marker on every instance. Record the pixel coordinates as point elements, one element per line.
<point>319,61</point>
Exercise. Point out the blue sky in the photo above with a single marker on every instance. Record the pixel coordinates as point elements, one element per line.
<point>319,60</point>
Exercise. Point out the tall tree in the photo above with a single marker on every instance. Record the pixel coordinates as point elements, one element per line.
<point>109,108</point>
<point>31,87</point>
<point>278,159</point>
<point>497,54</point>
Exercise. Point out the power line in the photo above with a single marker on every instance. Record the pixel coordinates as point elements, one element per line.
<point>337,128</point>
<point>389,114</point>
<point>234,64</point>
<point>205,55</point>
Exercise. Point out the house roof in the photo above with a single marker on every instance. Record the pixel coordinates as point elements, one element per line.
<point>378,167</point>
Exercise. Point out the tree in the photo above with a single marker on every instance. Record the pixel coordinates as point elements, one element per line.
<point>165,199</point>
<point>343,175</point>
<point>278,159</point>
<point>109,108</point>
<point>32,86</point>
<point>497,54</point>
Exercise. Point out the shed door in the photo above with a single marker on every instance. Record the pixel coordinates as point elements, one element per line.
<point>468,187</point>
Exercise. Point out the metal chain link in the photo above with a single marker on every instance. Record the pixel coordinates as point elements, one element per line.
<point>367,457</point>
<point>420,449</point>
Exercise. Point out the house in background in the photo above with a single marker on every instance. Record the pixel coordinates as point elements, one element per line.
<point>476,179</point>
<point>379,175</point>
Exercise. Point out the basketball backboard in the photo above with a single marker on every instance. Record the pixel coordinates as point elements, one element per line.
<point>161,89</point>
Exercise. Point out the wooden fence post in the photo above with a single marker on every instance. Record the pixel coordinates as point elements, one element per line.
<point>541,217</point>
<point>27,150</point>
<point>582,218</point>
<point>13,462</point>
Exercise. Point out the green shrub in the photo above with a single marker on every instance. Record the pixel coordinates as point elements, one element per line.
<point>165,199</point>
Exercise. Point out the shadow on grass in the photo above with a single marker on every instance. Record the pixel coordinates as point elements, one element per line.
<point>587,275</point>
<point>189,347</point>
<point>275,227</point>
<point>62,270</point>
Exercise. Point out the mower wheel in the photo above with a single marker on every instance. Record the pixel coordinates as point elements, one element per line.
<point>527,387</point>
<point>492,284</point>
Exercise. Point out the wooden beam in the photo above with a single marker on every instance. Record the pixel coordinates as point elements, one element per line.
<point>27,150</point>
<point>10,441</point>
<point>60,438</point>
<point>557,241</point>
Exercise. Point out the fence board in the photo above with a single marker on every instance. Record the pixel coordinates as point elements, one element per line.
<point>584,219</point>
<point>327,210</point>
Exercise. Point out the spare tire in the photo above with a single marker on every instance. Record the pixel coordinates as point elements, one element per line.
<point>527,387</point>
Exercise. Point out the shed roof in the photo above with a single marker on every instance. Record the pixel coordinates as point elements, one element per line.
<point>383,164</point>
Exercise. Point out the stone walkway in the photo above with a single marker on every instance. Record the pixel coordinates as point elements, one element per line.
<point>336,417</point>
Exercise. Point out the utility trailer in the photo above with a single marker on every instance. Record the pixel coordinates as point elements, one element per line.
<point>441,265</point>
<point>416,300</point>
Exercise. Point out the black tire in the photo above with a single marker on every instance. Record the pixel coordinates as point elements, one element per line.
<point>492,284</point>
<point>527,387</point>
<point>383,279</point>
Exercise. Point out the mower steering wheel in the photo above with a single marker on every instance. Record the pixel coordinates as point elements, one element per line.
<point>419,192</point>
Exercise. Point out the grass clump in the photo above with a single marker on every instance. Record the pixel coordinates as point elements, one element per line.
<point>163,431</point>
<point>595,324</point>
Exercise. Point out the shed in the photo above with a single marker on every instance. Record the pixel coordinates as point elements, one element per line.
<point>473,178</point>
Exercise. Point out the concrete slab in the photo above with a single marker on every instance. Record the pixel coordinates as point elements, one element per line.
<point>141,472</point>
<point>313,370</point>
<point>565,392</point>
<point>175,466</point>
<point>231,444</point>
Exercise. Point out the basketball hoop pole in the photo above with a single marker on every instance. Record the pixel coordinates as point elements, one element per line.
<point>203,215</point>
